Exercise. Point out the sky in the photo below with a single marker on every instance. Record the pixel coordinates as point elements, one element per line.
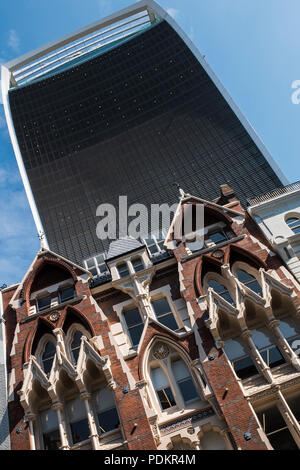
<point>252,45</point>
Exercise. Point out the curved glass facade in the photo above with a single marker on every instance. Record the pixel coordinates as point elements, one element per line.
<point>134,120</point>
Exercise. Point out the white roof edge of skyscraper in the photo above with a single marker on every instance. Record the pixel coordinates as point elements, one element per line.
<point>154,10</point>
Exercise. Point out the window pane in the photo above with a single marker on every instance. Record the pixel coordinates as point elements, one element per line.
<point>188,389</point>
<point>180,370</point>
<point>244,277</point>
<point>105,399</point>
<point>108,420</point>
<point>52,440</point>
<point>169,321</point>
<point>166,398</point>
<point>123,270</point>
<point>67,294</point>
<point>272,356</point>
<point>261,338</point>
<point>161,306</point>
<point>44,302</point>
<point>287,327</point>
<point>80,431</point>
<point>245,368</point>
<point>217,237</point>
<point>49,420</point>
<point>159,378</point>
<point>234,349</point>
<point>226,296</point>
<point>135,334</point>
<point>137,265</point>
<point>132,317</point>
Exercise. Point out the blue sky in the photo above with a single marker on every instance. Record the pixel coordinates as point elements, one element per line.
<point>252,45</point>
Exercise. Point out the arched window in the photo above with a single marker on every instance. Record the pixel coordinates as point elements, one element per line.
<point>108,418</point>
<point>137,264</point>
<point>123,270</point>
<point>75,345</point>
<point>268,351</point>
<point>48,356</point>
<point>50,431</point>
<point>162,388</point>
<point>239,358</point>
<point>248,280</point>
<point>164,313</point>
<point>221,290</point>
<point>184,380</point>
<point>294,224</point>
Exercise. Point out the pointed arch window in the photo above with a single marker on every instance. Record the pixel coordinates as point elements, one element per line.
<point>48,356</point>
<point>78,421</point>
<point>248,280</point>
<point>240,360</point>
<point>221,290</point>
<point>294,224</point>
<point>75,345</point>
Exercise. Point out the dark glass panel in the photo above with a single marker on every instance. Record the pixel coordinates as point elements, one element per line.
<point>80,431</point>
<point>52,440</point>
<point>166,398</point>
<point>108,420</point>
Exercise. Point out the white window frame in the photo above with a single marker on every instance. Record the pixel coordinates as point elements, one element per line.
<point>96,264</point>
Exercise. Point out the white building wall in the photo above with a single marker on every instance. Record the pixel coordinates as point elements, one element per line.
<point>271,216</point>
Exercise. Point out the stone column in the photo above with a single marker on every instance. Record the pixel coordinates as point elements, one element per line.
<point>85,397</point>
<point>58,406</point>
<point>31,417</point>
<point>288,353</point>
<point>264,369</point>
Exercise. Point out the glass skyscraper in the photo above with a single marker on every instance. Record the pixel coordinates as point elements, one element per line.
<point>126,106</point>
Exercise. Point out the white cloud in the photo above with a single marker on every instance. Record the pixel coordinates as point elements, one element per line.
<point>14,40</point>
<point>173,12</point>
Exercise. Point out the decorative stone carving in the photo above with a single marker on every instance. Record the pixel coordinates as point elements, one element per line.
<point>161,351</point>
<point>54,316</point>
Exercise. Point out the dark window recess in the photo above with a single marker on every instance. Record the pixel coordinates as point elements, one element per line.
<point>137,264</point>
<point>134,324</point>
<point>108,420</point>
<point>123,270</point>
<point>276,429</point>
<point>75,345</point>
<point>166,398</point>
<point>44,302</point>
<point>66,294</point>
<point>164,313</point>
<point>244,367</point>
<point>80,431</point>
<point>52,440</point>
<point>48,357</point>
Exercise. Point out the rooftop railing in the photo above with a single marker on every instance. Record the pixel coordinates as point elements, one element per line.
<point>275,193</point>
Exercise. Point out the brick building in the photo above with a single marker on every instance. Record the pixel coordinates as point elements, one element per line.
<point>170,347</point>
